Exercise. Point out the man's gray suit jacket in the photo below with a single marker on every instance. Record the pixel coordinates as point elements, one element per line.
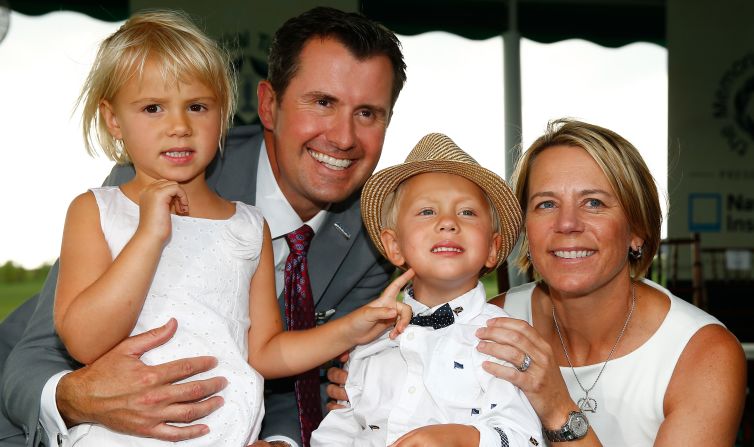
<point>346,272</point>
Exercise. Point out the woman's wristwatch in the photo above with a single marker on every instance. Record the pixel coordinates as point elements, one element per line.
<point>574,428</point>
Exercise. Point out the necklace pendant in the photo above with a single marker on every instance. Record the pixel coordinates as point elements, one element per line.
<point>587,403</point>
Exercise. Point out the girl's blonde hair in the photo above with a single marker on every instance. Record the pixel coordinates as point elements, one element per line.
<point>183,52</point>
<point>625,170</point>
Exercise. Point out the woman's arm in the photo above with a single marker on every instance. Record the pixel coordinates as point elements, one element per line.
<point>98,299</point>
<point>706,393</point>
<point>277,353</point>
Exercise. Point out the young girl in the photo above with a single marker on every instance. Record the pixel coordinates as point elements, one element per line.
<point>165,245</point>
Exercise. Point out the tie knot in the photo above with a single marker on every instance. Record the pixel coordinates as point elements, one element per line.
<point>299,240</point>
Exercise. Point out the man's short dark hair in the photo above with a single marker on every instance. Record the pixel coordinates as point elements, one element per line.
<point>363,37</point>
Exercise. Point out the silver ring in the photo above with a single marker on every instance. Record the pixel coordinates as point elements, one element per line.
<point>525,363</point>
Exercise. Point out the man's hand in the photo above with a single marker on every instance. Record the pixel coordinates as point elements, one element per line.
<point>124,394</point>
<point>336,390</point>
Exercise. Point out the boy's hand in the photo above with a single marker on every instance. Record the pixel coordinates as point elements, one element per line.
<point>457,435</point>
<point>371,320</point>
<point>156,202</point>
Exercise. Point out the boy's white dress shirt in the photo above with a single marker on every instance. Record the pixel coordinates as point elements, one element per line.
<point>427,377</point>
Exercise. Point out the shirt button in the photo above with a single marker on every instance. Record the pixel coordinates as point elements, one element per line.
<point>411,390</point>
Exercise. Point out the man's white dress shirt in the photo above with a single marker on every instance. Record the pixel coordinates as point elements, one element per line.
<point>281,219</point>
<point>427,377</point>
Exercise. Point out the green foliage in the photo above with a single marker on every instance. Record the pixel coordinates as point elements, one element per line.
<point>490,284</point>
<point>17,284</point>
<point>12,295</point>
<point>11,273</point>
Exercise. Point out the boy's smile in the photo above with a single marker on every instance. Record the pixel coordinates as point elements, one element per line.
<point>444,232</point>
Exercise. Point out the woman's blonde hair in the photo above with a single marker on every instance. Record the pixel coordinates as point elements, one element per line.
<point>182,50</point>
<point>625,170</point>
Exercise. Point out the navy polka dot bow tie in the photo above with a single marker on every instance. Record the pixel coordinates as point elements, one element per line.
<point>440,318</point>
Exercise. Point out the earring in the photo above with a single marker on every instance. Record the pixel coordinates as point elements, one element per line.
<point>119,148</point>
<point>636,253</point>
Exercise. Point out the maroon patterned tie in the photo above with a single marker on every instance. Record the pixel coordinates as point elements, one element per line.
<point>299,314</point>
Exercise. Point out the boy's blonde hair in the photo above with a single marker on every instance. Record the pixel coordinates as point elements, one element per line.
<point>182,50</point>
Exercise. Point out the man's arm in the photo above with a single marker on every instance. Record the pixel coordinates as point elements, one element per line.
<point>11,330</point>
<point>35,358</point>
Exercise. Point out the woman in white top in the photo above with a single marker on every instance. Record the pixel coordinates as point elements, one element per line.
<point>643,367</point>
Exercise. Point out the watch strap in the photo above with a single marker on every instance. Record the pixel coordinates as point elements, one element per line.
<point>568,432</point>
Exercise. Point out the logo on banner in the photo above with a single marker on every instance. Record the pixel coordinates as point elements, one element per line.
<point>733,105</point>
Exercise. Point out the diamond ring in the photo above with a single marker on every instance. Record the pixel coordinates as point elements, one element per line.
<point>525,363</point>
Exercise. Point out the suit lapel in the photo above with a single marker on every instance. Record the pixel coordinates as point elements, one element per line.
<point>332,243</point>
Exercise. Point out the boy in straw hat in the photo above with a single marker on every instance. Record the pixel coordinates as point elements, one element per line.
<point>450,220</point>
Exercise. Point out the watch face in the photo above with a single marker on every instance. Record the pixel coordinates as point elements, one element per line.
<point>578,424</point>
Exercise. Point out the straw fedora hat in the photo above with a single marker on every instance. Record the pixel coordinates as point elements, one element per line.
<point>438,153</point>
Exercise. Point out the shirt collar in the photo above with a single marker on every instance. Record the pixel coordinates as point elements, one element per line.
<point>466,306</point>
<point>280,215</point>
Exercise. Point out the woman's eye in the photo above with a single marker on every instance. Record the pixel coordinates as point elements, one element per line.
<point>197,107</point>
<point>546,204</point>
<point>594,203</point>
<point>426,212</point>
<point>467,213</point>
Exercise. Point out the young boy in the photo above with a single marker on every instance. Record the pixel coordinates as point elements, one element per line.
<point>450,220</point>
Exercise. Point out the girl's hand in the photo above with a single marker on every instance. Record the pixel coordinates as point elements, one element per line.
<point>442,434</point>
<point>371,320</point>
<point>156,202</point>
<point>508,339</point>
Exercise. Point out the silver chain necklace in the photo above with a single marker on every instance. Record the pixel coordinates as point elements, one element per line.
<point>587,403</point>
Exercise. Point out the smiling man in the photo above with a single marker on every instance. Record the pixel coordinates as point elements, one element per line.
<point>333,80</point>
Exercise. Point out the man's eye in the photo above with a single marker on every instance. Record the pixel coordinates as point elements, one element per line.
<point>152,108</point>
<point>366,113</point>
<point>323,102</point>
<point>594,203</point>
<point>546,204</point>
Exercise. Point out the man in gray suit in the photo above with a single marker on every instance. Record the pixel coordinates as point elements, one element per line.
<point>333,80</point>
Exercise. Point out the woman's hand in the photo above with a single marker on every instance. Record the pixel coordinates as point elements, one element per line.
<point>508,339</point>
<point>455,435</point>
<point>156,202</point>
<point>373,319</point>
